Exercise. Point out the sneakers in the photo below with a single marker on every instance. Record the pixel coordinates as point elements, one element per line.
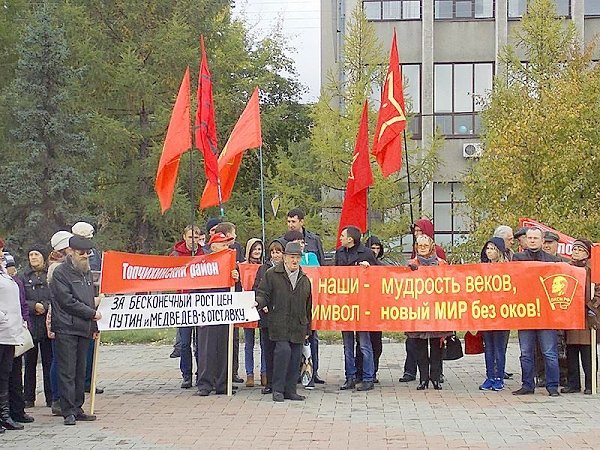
<point>487,385</point>
<point>186,383</point>
<point>311,384</point>
<point>497,384</point>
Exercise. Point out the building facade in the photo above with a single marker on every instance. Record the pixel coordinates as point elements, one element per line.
<point>449,55</point>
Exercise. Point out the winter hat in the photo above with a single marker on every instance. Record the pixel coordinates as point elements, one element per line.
<point>374,240</point>
<point>83,229</point>
<point>60,240</point>
<point>585,243</point>
<point>212,222</point>
<point>9,259</point>
<point>42,249</point>
<point>498,242</point>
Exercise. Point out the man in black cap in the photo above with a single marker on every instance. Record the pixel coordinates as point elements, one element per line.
<point>74,319</point>
<point>550,245</point>
<point>521,237</point>
<point>286,291</point>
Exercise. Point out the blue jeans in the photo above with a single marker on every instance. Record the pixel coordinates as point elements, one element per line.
<point>185,360</point>
<point>249,334</point>
<point>548,340</point>
<point>495,353</point>
<point>349,357</point>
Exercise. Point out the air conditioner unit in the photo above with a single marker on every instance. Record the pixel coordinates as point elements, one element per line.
<point>472,150</point>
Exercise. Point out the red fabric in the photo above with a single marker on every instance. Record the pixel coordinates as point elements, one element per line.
<point>354,209</point>
<point>206,129</point>
<point>596,263</point>
<point>391,121</point>
<point>177,142</point>
<point>473,343</point>
<point>245,135</point>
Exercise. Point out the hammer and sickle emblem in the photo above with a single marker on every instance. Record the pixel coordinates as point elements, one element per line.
<point>400,117</point>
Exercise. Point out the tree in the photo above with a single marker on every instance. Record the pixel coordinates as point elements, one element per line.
<point>42,171</point>
<point>336,118</point>
<point>540,135</point>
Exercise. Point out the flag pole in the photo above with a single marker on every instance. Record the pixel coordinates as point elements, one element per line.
<point>412,219</point>
<point>221,210</point>
<point>262,197</point>
<point>192,203</point>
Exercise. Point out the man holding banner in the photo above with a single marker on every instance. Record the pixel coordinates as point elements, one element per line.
<point>286,291</point>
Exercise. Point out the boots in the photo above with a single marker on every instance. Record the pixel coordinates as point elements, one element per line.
<point>5,420</point>
<point>250,380</point>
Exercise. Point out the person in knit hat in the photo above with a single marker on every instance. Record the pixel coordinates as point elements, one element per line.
<point>39,297</point>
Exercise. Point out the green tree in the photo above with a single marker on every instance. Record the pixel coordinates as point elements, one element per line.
<point>43,180</point>
<point>541,136</point>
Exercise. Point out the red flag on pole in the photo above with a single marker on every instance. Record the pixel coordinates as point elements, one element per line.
<point>391,121</point>
<point>245,135</point>
<point>354,209</point>
<point>206,130</point>
<point>177,142</point>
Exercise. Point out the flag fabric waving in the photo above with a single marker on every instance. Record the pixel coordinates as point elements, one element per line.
<point>391,121</point>
<point>177,142</point>
<point>245,135</point>
<point>206,129</point>
<point>354,209</point>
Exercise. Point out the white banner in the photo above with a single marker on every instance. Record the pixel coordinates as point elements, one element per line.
<point>155,310</point>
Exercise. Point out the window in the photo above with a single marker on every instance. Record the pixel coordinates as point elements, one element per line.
<point>516,8</point>
<point>592,8</point>
<point>450,214</point>
<point>464,9</point>
<point>411,75</point>
<point>458,93</point>
<point>379,10</point>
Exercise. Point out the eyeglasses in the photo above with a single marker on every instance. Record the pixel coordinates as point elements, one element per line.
<point>83,252</point>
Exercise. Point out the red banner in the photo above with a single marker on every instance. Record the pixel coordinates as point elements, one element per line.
<point>508,296</point>
<point>565,243</point>
<point>596,263</point>
<point>124,273</point>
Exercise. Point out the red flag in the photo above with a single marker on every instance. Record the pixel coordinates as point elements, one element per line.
<point>354,209</point>
<point>391,122</point>
<point>596,263</point>
<point>206,130</point>
<point>245,135</point>
<point>177,142</point>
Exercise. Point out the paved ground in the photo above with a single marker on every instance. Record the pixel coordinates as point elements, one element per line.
<point>143,407</point>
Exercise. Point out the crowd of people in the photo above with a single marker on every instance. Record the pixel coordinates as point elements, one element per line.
<point>52,305</point>
<point>56,300</point>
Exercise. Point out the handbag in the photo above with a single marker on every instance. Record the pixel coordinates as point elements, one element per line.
<point>474,343</point>
<point>306,373</point>
<point>27,342</point>
<point>452,348</point>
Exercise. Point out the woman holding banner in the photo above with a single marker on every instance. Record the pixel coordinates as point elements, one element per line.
<point>429,362</point>
<point>494,251</point>
<point>579,341</point>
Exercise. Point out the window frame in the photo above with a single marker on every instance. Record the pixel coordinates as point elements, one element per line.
<point>454,233</point>
<point>463,19</point>
<point>474,114</point>
<point>396,19</point>
<point>568,16</point>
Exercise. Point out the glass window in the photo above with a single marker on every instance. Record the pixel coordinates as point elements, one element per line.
<point>392,9</point>
<point>450,214</point>
<point>516,8</point>
<point>459,89</point>
<point>464,9</point>
<point>592,8</point>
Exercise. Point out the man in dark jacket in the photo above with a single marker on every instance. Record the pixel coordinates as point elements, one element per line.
<point>312,241</point>
<point>353,253</point>
<point>38,295</point>
<point>286,291</point>
<point>74,319</point>
<point>547,338</point>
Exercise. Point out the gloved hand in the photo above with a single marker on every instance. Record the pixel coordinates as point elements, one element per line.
<point>413,266</point>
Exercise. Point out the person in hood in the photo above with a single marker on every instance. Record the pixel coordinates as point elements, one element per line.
<point>254,255</point>
<point>494,251</point>
<point>190,245</point>
<point>425,226</point>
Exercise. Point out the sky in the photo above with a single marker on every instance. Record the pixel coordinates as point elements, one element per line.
<point>301,26</point>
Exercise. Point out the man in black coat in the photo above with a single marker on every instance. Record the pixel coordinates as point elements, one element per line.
<point>353,253</point>
<point>286,291</point>
<point>74,319</point>
<point>528,338</point>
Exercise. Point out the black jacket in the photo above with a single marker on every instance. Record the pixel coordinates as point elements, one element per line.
<point>312,243</point>
<point>352,256</point>
<point>73,305</point>
<point>541,255</point>
<point>290,310</point>
<point>37,291</point>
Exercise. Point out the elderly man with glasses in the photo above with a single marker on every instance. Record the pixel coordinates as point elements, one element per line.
<point>74,319</point>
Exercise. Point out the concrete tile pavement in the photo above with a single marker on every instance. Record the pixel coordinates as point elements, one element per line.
<point>144,408</point>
